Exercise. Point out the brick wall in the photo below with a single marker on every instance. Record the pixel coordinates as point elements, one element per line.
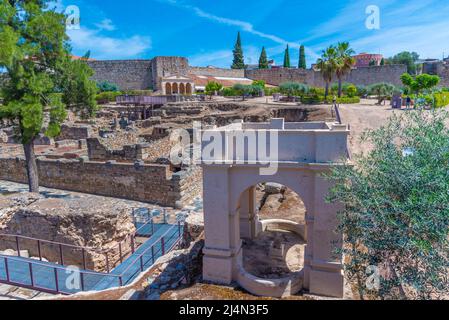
<point>166,66</point>
<point>147,183</point>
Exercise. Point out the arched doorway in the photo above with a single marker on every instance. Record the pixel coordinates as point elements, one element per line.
<point>168,88</point>
<point>175,88</point>
<point>182,88</point>
<point>272,219</point>
<point>188,89</point>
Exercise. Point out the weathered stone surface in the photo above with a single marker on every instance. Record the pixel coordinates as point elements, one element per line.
<point>87,221</point>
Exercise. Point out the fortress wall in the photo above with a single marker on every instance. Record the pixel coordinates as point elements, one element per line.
<point>217,72</point>
<point>127,74</point>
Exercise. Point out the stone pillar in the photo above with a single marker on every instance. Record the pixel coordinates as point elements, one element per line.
<point>326,268</point>
<point>223,246</point>
<point>248,214</point>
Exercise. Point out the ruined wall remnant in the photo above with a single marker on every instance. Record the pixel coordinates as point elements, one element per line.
<point>83,221</point>
<point>151,183</point>
<point>74,132</point>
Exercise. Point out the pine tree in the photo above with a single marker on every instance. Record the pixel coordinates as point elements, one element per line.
<point>382,62</point>
<point>263,60</point>
<point>302,58</point>
<point>287,58</point>
<point>239,62</point>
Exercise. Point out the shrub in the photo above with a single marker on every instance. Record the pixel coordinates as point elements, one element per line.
<point>382,90</point>
<point>139,92</point>
<point>362,90</point>
<point>441,99</point>
<point>294,88</point>
<point>106,97</point>
<point>106,86</point>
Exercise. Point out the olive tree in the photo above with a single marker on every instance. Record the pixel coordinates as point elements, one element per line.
<point>395,216</point>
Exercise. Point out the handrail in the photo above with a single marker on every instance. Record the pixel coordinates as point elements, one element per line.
<point>46,241</point>
<point>120,277</point>
<point>54,266</point>
<point>151,247</point>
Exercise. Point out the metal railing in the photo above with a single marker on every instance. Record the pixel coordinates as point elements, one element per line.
<point>88,279</point>
<point>38,247</point>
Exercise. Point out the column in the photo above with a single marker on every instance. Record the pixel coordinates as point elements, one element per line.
<point>222,236</point>
<point>326,269</point>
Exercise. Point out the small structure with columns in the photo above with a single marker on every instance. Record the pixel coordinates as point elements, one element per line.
<point>304,152</point>
<point>177,85</point>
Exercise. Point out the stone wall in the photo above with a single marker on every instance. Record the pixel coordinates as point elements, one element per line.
<point>359,76</point>
<point>147,183</point>
<point>129,153</point>
<point>127,74</point>
<point>217,72</point>
<point>166,66</point>
<point>74,133</point>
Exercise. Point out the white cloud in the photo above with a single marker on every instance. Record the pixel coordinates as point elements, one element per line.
<point>103,47</point>
<point>106,24</point>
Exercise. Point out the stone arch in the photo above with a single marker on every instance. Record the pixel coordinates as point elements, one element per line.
<point>189,88</point>
<point>182,88</point>
<point>175,88</point>
<point>168,88</point>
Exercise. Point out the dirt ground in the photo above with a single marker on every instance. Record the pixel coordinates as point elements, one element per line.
<point>274,254</point>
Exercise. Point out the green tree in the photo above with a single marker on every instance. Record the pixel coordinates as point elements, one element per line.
<point>302,58</point>
<point>407,58</point>
<point>327,65</point>
<point>395,208</point>
<point>344,63</point>
<point>287,57</point>
<point>382,90</point>
<point>106,86</point>
<point>382,62</point>
<point>263,60</point>
<point>212,88</point>
<point>293,89</point>
<point>421,83</point>
<point>239,61</point>
<point>35,54</point>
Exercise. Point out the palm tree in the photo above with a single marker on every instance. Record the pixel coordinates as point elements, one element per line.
<point>344,63</point>
<point>327,65</point>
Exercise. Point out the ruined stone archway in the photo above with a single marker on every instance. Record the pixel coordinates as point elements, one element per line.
<point>305,152</point>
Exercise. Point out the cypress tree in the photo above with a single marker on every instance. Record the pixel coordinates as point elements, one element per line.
<point>263,60</point>
<point>302,58</point>
<point>287,58</point>
<point>239,62</point>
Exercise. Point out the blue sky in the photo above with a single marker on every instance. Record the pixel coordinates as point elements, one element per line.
<point>205,30</point>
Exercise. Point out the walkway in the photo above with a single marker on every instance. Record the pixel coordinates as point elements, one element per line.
<point>51,277</point>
